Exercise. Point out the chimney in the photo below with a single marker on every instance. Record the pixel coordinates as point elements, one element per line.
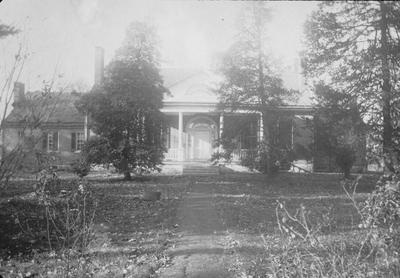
<point>19,92</point>
<point>98,65</point>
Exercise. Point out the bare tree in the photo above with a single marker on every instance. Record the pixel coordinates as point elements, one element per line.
<point>33,109</point>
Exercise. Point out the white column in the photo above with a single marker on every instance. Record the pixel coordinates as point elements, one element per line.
<point>221,129</point>
<point>180,135</point>
<point>191,147</point>
<point>261,127</point>
<point>85,127</point>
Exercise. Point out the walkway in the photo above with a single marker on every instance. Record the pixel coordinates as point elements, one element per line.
<point>202,249</point>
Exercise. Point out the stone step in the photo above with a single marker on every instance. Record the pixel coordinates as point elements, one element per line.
<point>200,170</point>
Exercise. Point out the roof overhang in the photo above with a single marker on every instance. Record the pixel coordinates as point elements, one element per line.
<point>213,107</point>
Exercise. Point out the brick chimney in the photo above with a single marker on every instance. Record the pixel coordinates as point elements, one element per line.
<point>98,65</point>
<point>19,92</point>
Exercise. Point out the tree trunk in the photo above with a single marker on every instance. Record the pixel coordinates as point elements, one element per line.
<point>124,167</point>
<point>386,91</point>
<point>263,101</point>
<point>127,175</point>
<point>267,140</point>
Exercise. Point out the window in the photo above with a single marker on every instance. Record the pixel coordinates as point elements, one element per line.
<point>21,136</point>
<point>50,141</point>
<point>77,141</point>
<point>80,140</point>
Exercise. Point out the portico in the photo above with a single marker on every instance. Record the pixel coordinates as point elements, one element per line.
<point>193,130</point>
<point>195,121</point>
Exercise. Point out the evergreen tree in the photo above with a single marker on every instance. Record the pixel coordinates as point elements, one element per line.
<point>354,46</point>
<point>339,129</point>
<point>250,79</point>
<point>125,109</point>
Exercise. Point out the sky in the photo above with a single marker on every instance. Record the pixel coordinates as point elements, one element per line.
<point>61,35</point>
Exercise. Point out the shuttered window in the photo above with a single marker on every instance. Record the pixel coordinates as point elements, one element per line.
<point>44,142</point>
<point>50,141</point>
<point>77,141</point>
<point>73,142</point>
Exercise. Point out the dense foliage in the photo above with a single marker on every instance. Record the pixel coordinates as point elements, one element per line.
<point>340,131</point>
<point>250,78</point>
<point>353,46</point>
<point>125,109</point>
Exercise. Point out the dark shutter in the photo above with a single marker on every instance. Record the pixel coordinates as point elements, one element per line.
<point>55,141</point>
<point>73,141</point>
<point>44,141</point>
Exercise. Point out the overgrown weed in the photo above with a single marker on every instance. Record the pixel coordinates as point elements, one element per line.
<point>369,250</point>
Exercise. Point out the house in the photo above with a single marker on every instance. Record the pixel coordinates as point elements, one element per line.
<point>195,120</point>
<point>44,125</point>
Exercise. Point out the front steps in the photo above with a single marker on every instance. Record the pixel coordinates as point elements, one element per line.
<point>200,170</point>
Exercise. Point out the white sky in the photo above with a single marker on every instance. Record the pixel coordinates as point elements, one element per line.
<point>62,34</point>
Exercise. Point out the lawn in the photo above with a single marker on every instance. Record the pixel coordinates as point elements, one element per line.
<point>248,207</point>
<point>132,235</point>
<point>247,203</point>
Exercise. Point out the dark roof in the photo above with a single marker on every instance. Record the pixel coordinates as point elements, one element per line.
<point>59,108</point>
<point>51,109</point>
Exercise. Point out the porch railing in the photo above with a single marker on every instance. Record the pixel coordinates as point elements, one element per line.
<point>171,154</point>
<point>237,155</point>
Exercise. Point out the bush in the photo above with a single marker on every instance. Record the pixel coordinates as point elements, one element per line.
<point>80,167</point>
<point>221,157</point>
<point>382,216</point>
<point>304,250</point>
<point>96,151</point>
<point>268,160</point>
<point>61,212</point>
<point>345,158</point>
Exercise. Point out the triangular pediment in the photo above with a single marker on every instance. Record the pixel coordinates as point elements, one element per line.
<point>190,85</point>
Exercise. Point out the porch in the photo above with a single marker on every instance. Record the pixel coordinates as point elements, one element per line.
<point>194,129</point>
<point>194,136</point>
<point>237,155</point>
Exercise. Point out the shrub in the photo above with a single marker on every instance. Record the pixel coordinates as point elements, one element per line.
<point>80,167</point>
<point>61,212</point>
<point>304,250</point>
<point>96,151</point>
<point>221,157</point>
<point>266,159</point>
<point>382,215</point>
<point>345,158</point>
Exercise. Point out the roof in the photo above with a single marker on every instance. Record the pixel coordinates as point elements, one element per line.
<point>188,87</point>
<point>52,109</point>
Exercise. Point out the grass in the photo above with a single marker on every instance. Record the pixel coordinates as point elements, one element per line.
<point>248,207</point>
<point>247,204</point>
<point>132,235</point>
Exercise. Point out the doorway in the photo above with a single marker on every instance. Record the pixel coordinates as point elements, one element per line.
<point>201,134</point>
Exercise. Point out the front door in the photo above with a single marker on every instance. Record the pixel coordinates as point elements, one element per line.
<point>201,145</point>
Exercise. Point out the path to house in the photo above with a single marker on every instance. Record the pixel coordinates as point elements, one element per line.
<point>202,250</point>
